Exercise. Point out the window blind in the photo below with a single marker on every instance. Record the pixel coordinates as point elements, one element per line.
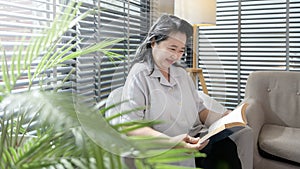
<point>249,36</point>
<point>264,37</point>
<point>21,20</point>
<point>93,75</point>
<point>218,54</point>
<point>98,74</point>
<point>294,35</point>
<point>128,20</point>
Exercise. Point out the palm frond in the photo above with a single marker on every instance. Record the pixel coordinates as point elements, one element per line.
<point>44,47</point>
<point>57,124</point>
<point>52,130</point>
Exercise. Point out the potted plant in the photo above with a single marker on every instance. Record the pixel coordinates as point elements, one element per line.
<point>48,129</point>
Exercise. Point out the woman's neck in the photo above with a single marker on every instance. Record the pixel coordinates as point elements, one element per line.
<point>166,74</point>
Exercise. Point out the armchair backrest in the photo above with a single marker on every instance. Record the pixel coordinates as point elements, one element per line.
<point>114,98</point>
<point>278,92</point>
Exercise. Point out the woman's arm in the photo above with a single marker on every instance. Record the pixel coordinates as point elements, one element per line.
<point>147,131</point>
<point>203,115</point>
<point>185,140</point>
<point>207,117</point>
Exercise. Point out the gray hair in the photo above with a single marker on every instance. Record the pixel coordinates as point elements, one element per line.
<point>159,32</point>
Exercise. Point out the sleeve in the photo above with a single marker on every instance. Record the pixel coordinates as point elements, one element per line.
<point>197,126</point>
<point>198,100</point>
<point>134,96</point>
<point>212,116</point>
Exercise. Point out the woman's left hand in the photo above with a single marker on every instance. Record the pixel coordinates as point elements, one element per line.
<point>190,142</point>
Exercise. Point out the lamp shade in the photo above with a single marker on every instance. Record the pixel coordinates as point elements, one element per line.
<point>197,12</point>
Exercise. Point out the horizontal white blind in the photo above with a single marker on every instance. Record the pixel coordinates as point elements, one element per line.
<point>21,20</point>
<point>249,36</point>
<point>294,35</point>
<point>121,19</point>
<point>95,74</point>
<point>87,66</point>
<point>264,36</point>
<point>218,54</point>
<point>98,74</point>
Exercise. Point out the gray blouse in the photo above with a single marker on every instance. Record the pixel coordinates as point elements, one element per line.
<point>175,103</point>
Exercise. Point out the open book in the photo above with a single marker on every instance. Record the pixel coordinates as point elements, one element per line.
<point>224,127</point>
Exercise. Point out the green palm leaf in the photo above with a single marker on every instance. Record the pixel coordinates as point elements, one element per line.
<point>44,47</point>
<point>52,130</point>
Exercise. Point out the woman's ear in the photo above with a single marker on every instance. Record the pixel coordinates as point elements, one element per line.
<point>152,42</point>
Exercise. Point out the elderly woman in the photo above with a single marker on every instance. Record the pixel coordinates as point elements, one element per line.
<point>159,82</point>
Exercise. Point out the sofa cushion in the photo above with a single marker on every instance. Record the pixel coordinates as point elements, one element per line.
<point>280,141</point>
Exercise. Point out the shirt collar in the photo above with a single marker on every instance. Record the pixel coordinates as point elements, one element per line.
<point>174,73</point>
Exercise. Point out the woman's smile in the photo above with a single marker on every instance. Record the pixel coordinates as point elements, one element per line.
<point>167,52</point>
<point>171,61</point>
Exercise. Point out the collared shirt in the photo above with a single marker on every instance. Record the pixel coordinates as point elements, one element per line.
<point>176,102</point>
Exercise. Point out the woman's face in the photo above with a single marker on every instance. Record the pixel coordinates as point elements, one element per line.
<point>167,52</point>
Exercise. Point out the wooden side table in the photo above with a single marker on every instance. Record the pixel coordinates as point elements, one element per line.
<point>194,72</point>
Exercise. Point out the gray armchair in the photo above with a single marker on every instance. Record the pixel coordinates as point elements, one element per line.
<point>274,116</point>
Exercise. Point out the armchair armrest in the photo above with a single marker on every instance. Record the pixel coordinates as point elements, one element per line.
<point>256,118</point>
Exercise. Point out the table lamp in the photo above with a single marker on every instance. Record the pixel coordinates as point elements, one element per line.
<point>198,13</point>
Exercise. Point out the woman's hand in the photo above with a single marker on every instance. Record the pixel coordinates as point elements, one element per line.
<point>189,142</point>
<point>183,140</point>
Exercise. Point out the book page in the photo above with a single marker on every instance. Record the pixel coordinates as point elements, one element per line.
<point>227,125</point>
<point>233,117</point>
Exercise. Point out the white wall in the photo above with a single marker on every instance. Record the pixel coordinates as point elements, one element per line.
<point>166,6</point>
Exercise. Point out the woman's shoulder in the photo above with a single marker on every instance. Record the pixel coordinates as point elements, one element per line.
<point>179,70</point>
<point>139,68</point>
